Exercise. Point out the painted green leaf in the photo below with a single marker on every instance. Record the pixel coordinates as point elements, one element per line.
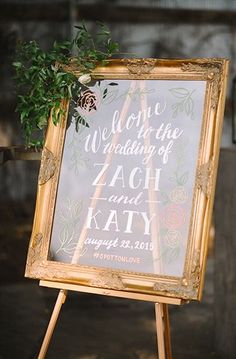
<point>111,96</point>
<point>179,92</point>
<point>188,106</point>
<point>173,254</point>
<point>183,179</point>
<point>105,93</point>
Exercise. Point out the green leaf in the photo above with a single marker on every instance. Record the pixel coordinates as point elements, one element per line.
<point>42,122</point>
<point>17,64</point>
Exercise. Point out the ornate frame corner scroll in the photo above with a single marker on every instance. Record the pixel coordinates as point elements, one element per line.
<point>48,166</point>
<point>205,177</point>
<point>34,253</point>
<point>186,287</point>
<point>212,72</point>
<point>108,279</point>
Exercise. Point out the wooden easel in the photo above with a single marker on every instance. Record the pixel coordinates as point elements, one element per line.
<point>161,303</point>
<point>161,311</point>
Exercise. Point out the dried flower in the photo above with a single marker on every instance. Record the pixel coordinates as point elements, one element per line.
<point>84,79</point>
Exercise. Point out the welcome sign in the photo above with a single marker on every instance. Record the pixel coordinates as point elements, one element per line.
<point>127,179</point>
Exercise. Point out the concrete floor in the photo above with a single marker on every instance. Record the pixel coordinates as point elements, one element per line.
<point>89,326</point>
<point>97,327</point>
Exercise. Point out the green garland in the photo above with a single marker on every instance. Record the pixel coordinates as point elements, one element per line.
<point>42,82</point>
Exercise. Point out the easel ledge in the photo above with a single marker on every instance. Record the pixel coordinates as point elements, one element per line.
<point>161,311</point>
<point>112,292</point>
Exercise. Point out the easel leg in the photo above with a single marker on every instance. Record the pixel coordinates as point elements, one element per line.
<point>60,300</point>
<point>163,331</point>
<point>167,331</point>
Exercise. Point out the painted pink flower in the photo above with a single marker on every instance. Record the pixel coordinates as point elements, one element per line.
<point>173,216</point>
<point>88,102</point>
<point>178,195</point>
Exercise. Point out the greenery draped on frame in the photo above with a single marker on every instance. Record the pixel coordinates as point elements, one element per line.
<point>42,82</point>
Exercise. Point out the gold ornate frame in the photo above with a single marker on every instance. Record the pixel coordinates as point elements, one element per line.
<point>214,72</point>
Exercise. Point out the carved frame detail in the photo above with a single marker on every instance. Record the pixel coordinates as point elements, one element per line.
<point>48,166</point>
<point>186,287</point>
<point>205,177</point>
<point>212,72</point>
<point>140,66</point>
<point>189,286</point>
<point>109,280</point>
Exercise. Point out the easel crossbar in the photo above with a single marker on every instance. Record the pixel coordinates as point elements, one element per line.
<point>112,292</point>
